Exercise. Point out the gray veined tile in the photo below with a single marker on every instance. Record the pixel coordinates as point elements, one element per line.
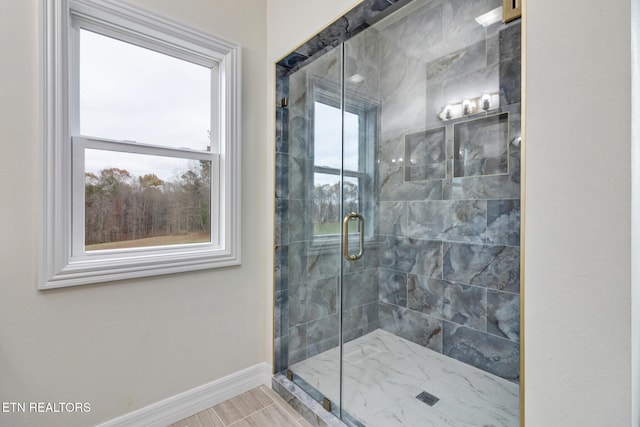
<point>280,313</point>
<point>459,15</point>
<point>426,295</point>
<point>296,345</point>
<point>510,81</point>
<point>401,37</point>
<point>360,321</point>
<point>391,217</point>
<point>323,263</point>
<point>481,146</point>
<point>298,171</point>
<point>486,187</point>
<point>503,222</point>
<point>360,288</point>
<point>282,175</point>
<point>393,186</point>
<point>298,143</point>
<point>464,305</point>
<point>503,314</point>
<point>322,334</point>
<point>492,354</point>
<point>510,41</point>
<point>457,63</point>
<point>297,336</point>
<point>312,300</point>
<point>411,325</point>
<point>393,287</point>
<point>463,220</point>
<point>424,155</point>
<point>416,256</point>
<point>297,227</point>
<point>490,266</point>
<point>426,147</point>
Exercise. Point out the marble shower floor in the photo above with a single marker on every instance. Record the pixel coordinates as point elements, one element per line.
<point>384,373</point>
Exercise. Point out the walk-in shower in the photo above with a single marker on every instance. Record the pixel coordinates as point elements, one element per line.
<point>397,276</point>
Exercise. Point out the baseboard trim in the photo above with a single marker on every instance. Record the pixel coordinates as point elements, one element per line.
<point>190,402</point>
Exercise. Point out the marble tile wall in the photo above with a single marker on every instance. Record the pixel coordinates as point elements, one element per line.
<point>443,270</point>
<point>449,255</point>
<point>308,268</point>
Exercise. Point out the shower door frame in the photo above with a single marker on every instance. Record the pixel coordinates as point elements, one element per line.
<point>359,18</point>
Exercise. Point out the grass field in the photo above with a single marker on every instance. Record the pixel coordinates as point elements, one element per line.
<point>152,241</point>
<point>327,228</point>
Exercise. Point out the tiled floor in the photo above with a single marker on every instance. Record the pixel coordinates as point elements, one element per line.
<point>383,374</point>
<point>260,407</point>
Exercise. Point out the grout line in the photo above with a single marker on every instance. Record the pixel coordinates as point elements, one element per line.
<point>218,416</point>
<point>295,421</point>
<point>279,404</point>
<point>250,415</point>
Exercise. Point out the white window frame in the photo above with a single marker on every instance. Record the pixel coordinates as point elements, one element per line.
<point>62,264</point>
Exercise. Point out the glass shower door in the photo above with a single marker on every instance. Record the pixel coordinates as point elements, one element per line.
<point>313,226</point>
<point>399,217</point>
<point>430,267</point>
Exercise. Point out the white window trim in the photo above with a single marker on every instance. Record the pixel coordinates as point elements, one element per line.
<point>58,268</point>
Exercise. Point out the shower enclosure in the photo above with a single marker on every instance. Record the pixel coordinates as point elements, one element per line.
<point>397,276</point>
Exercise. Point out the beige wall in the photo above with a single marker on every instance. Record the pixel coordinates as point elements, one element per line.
<point>123,346</point>
<point>577,247</point>
<point>578,213</point>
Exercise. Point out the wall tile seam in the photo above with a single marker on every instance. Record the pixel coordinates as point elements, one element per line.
<point>451,322</point>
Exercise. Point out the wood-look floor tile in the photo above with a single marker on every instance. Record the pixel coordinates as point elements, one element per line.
<point>240,407</point>
<point>281,402</point>
<point>272,416</point>
<point>206,418</point>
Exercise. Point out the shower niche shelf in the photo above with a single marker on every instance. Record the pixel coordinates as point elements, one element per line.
<point>481,146</point>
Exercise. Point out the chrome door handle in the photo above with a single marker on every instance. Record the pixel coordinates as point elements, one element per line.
<point>345,236</point>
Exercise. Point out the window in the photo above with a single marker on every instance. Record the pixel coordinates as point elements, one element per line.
<point>142,145</point>
<point>343,149</point>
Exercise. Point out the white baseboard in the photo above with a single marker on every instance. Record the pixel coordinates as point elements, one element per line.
<point>183,405</point>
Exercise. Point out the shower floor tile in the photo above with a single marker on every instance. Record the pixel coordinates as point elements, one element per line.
<point>384,373</point>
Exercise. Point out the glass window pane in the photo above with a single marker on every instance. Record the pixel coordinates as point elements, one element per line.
<point>131,93</point>
<point>326,204</point>
<point>327,138</point>
<point>351,141</point>
<point>351,195</point>
<point>139,200</point>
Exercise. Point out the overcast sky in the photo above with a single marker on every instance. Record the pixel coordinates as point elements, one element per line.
<point>327,140</point>
<point>131,93</point>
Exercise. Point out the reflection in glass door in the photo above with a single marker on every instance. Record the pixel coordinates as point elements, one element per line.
<point>400,220</point>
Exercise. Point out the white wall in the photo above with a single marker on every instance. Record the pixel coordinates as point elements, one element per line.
<point>578,213</point>
<point>123,346</point>
<point>635,209</point>
<point>577,237</point>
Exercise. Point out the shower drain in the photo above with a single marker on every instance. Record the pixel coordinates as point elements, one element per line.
<point>427,398</point>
